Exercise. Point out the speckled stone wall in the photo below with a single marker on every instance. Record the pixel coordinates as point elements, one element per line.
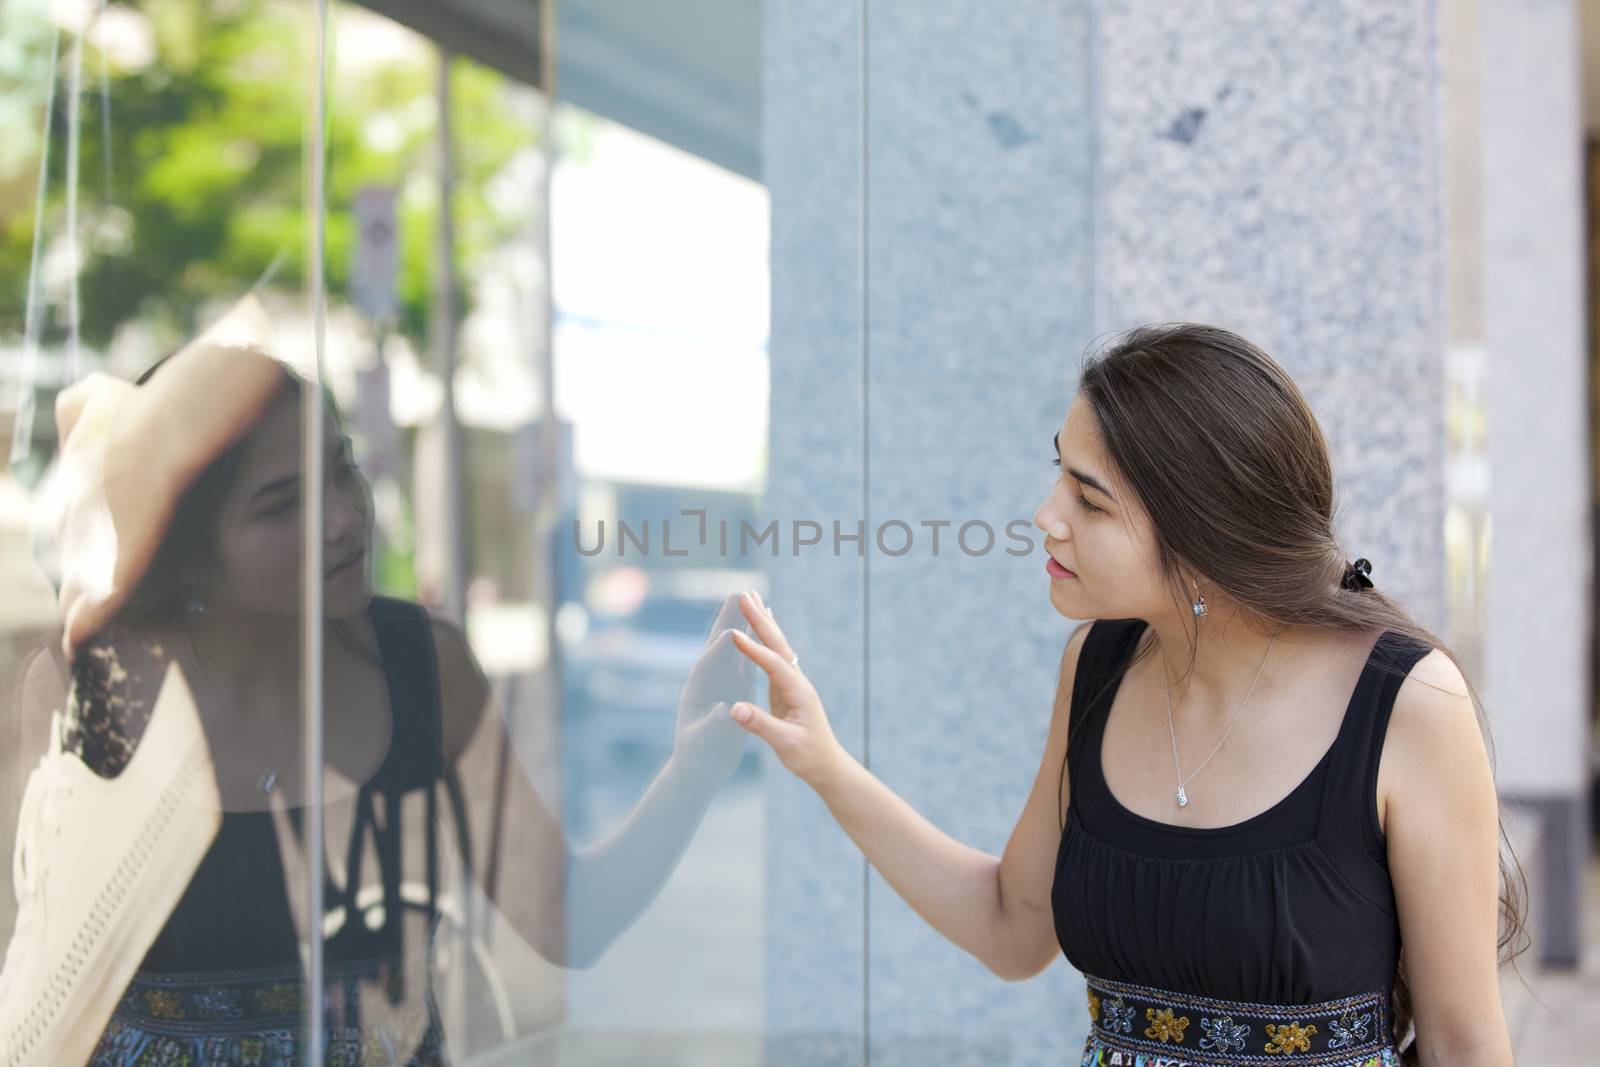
<point>1540,581</point>
<point>979,286</point>
<point>1537,616</point>
<point>1274,168</point>
<point>815,894</point>
<point>929,167</point>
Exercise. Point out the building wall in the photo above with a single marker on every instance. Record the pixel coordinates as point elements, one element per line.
<point>1540,563</point>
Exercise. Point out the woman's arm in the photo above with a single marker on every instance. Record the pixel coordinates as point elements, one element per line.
<point>1028,864</point>
<point>569,905</point>
<point>1441,822</point>
<point>996,908</point>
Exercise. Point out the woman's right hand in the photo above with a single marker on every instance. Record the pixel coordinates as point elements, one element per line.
<point>797,726</point>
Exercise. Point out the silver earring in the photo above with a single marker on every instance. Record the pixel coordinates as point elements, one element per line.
<point>194,605</point>
<point>1199,605</point>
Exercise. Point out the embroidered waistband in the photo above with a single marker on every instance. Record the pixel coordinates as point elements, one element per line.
<point>1145,1026</point>
<point>237,1000</point>
<point>226,1018</point>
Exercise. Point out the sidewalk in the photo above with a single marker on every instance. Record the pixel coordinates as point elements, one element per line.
<point>1556,1024</point>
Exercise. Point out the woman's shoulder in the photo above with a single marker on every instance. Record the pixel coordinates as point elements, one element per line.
<point>1432,698</point>
<point>448,637</point>
<point>1110,637</point>
<point>463,686</point>
<point>1096,646</point>
<point>1431,735</point>
<point>1100,629</point>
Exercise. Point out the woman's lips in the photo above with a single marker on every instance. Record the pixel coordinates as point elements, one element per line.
<point>1056,570</point>
<point>349,563</point>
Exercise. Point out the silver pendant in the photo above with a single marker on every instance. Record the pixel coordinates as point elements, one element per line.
<point>1182,798</point>
<point>268,781</point>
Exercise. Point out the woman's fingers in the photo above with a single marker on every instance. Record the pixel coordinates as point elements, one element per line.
<point>795,724</point>
<point>728,616</point>
<point>765,625</point>
<point>764,657</point>
<point>785,738</point>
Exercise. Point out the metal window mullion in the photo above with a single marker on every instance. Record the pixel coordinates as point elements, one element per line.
<point>311,541</point>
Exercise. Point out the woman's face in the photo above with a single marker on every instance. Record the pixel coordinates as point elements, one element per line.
<point>256,564</point>
<point>1094,528</point>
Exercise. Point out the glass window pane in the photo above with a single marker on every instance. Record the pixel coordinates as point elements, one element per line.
<point>154,337</point>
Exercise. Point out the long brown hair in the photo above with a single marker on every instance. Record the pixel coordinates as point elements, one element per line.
<point>1217,443</point>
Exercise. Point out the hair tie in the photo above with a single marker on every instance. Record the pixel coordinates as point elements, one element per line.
<point>1355,575</point>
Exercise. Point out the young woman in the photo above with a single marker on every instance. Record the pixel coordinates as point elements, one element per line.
<point>1261,777</point>
<point>411,747</point>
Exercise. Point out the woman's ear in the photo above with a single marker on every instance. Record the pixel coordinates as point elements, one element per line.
<point>196,582</point>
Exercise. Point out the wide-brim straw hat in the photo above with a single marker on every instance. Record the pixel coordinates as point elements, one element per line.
<point>128,452</point>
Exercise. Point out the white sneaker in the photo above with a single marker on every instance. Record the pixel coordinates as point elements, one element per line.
<point>99,865</point>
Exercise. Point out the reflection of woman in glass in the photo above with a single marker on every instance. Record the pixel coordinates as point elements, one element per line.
<point>1228,862</point>
<point>411,744</point>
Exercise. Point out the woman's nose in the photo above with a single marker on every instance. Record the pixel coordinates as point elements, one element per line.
<point>1046,519</point>
<point>342,513</point>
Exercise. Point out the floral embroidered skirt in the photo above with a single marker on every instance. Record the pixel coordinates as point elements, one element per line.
<point>256,1019</point>
<point>1142,1026</point>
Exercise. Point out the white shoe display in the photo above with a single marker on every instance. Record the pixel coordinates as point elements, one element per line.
<point>99,865</point>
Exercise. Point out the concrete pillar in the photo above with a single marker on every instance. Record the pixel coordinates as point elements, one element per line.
<point>1274,169</point>
<point>812,159</point>
<point>1540,561</point>
<point>979,299</point>
<point>929,172</point>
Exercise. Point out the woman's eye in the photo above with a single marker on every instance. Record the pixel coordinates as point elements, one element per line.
<point>279,509</point>
<point>1083,501</point>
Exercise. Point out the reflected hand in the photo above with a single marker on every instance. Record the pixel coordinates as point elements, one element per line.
<point>797,726</point>
<point>706,738</point>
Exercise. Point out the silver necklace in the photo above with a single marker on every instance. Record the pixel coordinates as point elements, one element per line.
<point>268,780</point>
<point>1183,798</point>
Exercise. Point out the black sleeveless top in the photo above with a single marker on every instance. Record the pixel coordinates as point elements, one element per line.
<point>223,981</point>
<point>1291,906</point>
